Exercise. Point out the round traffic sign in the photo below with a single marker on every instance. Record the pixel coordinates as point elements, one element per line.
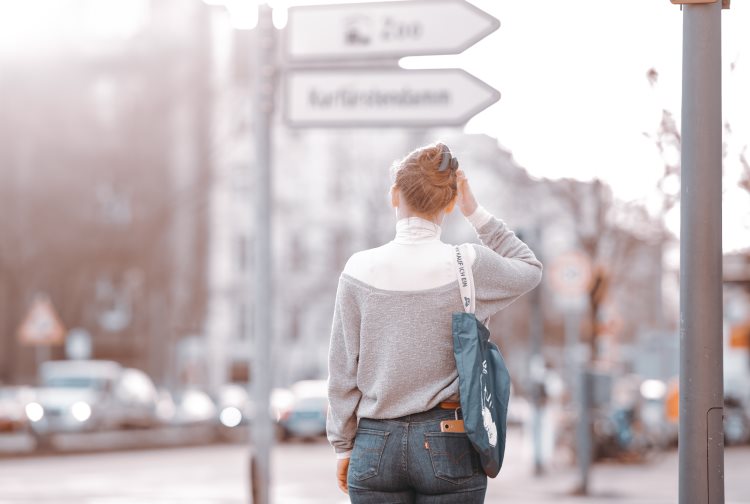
<point>570,274</point>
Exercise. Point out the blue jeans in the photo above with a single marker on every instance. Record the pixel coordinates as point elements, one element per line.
<point>408,460</point>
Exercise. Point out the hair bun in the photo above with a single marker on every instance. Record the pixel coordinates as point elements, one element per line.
<point>425,184</point>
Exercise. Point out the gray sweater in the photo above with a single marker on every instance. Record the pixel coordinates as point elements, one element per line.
<point>391,352</point>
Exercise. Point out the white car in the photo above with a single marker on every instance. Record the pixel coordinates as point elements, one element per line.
<point>194,406</point>
<point>85,395</point>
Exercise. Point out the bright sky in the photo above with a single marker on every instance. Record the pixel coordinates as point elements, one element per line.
<point>575,98</point>
<point>576,101</point>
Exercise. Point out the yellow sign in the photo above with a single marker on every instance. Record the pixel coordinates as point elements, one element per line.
<point>42,325</point>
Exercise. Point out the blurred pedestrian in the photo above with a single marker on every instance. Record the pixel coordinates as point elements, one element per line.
<point>392,372</point>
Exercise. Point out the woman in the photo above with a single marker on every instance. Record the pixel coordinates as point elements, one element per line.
<point>392,373</point>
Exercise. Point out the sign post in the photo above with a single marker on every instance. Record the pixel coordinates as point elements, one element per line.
<point>570,276</point>
<point>261,435</point>
<point>359,83</point>
<point>348,97</point>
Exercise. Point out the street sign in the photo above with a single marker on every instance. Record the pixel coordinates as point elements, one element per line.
<point>42,326</point>
<point>386,97</point>
<point>384,29</point>
<point>78,344</point>
<point>570,274</point>
<point>570,278</point>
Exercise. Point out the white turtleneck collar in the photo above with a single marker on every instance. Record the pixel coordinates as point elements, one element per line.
<point>410,230</point>
<point>425,264</point>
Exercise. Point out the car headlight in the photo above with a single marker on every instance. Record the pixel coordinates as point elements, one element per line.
<point>653,389</point>
<point>81,411</point>
<point>230,416</point>
<point>34,411</point>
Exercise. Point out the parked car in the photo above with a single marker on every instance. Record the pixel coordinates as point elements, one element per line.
<point>85,395</point>
<point>233,405</point>
<point>13,401</point>
<point>137,399</point>
<point>194,406</point>
<point>281,401</point>
<point>736,422</point>
<point>166,409</point>
<point>305,416</point>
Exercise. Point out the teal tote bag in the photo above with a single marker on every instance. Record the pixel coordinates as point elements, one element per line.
<point>483,378</point>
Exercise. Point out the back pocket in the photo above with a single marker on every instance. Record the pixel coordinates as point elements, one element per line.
<point>367,453</point>
<point>452,456</point>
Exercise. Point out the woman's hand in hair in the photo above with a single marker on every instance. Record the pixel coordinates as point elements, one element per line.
<point>467,203</point>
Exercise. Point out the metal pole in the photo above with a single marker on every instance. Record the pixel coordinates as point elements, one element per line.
<point>701,446</point>
<point>583,429</point>
<point>576,369</point>
<point>261,437</point>
<point>537,366</point>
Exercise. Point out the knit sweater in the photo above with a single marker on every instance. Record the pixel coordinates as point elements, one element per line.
<point>391,350</point>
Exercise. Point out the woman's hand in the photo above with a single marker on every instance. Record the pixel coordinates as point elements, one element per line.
<point>467,203</point>
<point>342,469</point>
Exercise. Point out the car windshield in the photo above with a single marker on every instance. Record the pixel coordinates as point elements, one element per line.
<point>77,382</point>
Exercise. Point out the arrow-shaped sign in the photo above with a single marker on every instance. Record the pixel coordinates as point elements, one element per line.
<point>385,29</point>
<point>353,97</point>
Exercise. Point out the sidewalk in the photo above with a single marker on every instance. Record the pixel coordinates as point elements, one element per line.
<point>653,482</point>
<point>304,473</point>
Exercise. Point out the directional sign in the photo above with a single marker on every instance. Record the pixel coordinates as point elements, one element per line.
<point>354,97</point>
<point>385,29</point>
<point>42,326</point>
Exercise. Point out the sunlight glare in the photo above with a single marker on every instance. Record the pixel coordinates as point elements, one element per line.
<point>244,15</point>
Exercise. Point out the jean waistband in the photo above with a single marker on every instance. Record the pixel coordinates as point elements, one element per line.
<point>436,413</point>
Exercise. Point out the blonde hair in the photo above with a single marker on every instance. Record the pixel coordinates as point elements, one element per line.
<point>425,189</point>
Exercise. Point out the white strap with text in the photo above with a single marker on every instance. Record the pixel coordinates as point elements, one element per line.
<point>465,279</point>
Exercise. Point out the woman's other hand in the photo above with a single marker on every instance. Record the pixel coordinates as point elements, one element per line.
<point>467,203</point>
<point>342,469</point>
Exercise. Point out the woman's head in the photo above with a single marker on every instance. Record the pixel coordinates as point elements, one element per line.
<point>426,180</point>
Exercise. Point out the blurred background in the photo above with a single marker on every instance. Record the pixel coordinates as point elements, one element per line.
<point>127,159</point>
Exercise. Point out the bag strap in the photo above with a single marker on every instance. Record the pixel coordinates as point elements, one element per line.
<point>465,278</point>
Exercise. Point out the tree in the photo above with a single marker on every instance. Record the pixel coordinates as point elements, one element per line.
<point>602,232</point>
<point>90,200</point>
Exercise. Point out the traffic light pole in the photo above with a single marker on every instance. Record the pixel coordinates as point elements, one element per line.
<point>701,443</point>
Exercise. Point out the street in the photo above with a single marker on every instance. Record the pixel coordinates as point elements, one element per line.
<point>230,223</point>
<point>304,473</point>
